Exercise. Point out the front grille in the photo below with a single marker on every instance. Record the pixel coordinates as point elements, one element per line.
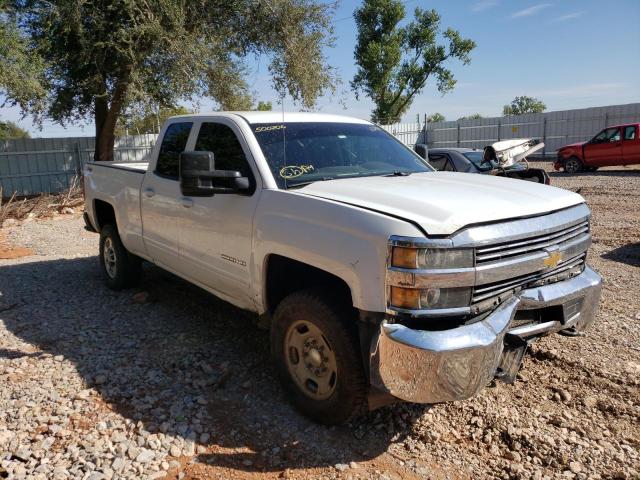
<point>508,250</point>
<point>491,294</point>
<point>509,257</point>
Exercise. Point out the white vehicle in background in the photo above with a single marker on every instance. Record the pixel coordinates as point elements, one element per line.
<point>507,153</point>
<point>381,278</point>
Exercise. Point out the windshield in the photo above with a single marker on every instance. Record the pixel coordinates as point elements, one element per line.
<point>476,159</point>
<point>304,152</point>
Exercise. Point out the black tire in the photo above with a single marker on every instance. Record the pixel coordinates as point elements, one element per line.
<point>337,323</point>
<point>125,270</point>
<point>573,165</point>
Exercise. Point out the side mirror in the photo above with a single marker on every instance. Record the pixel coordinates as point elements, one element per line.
<point>199,177</point>
<point>422,150</point>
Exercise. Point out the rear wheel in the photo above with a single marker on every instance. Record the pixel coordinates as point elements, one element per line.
<point>121,269</point>
<point>315,347</point>
<point>572,165</point>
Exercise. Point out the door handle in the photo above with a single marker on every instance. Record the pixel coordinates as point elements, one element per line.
<point>149,192</point>
<point>186,202</point>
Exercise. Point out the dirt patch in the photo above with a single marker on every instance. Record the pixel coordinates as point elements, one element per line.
<point>8,251</point>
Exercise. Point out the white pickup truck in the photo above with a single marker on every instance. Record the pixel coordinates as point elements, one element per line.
<point>381,279</point>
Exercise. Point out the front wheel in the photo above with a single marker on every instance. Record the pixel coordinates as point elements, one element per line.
<point>121,269</point>
<point>315,346</point>
<point>572,165</point>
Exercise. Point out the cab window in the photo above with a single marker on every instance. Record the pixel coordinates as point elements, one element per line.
<point>630,132</point>
<point>173,144</point>
<point>226,148</point>
<point>608,135</point>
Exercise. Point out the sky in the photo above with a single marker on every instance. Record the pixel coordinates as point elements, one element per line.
<point>568,53</point>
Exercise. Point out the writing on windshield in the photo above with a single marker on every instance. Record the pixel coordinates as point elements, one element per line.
<point>303,152</point>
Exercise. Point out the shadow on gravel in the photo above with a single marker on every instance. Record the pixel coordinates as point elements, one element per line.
<point>629,254</point>
<point>185,364</point>
<point>13,354</point>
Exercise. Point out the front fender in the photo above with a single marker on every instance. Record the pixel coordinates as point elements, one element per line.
<point>346,241</point>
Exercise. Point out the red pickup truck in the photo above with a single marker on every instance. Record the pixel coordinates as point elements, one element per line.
<point>618,145</point>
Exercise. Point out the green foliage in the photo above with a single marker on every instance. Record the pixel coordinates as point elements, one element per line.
<point>473,116</point>
<point>9,130</point>
<point>394,63</point>
<point>436,117</point>
<point>524,104</point>
<point>148,121</point>
<point>21,69</point>
<point>264,106</point>
<point>98,59</point>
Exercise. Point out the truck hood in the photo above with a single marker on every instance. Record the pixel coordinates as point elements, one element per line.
<point>444,202</point>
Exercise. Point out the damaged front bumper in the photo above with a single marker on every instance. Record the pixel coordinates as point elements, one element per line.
<point>438,366</point>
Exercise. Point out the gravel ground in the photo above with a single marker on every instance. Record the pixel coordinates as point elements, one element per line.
<point>166,381</point>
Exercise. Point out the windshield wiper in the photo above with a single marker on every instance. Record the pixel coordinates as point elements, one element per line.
<point>304,184</point>
<point>399,173</point>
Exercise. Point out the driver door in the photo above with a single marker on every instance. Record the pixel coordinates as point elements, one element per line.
<point>604,149</point>
<point>216,232</point>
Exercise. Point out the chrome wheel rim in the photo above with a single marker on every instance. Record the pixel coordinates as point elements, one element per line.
<point>109,255</point>
<point>310,360</point>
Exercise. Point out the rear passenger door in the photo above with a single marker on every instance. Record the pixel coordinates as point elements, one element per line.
<point>215,237</point>
<point>631,144</point>
<point>161,205</point>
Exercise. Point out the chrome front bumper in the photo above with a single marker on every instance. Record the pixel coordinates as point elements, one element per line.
<point>438,366</point>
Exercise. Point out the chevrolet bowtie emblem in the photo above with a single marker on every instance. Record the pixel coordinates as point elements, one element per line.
<point>553,260</point>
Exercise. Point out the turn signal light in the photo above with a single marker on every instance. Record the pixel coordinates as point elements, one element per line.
<point>404,257</point>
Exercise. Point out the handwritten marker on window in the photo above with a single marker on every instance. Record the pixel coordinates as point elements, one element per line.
<point>293,171</point>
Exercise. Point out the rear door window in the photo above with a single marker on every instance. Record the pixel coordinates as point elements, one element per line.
<point>173,144</point>
<point>630,132</point>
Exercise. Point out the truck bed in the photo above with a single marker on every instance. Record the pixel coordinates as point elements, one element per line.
<point>118,184</point>
<point>139,167</point>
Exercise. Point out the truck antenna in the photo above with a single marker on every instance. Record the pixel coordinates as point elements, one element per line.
<point>284,138</point>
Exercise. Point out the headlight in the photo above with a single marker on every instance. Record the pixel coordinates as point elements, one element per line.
<point>429,277</point>
<point>431,258</point>
<point>429,298</point>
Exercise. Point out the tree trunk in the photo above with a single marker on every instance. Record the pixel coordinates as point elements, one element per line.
<point>105,140</point>
<point>100,114</point>
<point>106,117</point>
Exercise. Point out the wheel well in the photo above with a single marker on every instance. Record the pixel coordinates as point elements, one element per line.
<point>285,276</point>
<point>105,213</point>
